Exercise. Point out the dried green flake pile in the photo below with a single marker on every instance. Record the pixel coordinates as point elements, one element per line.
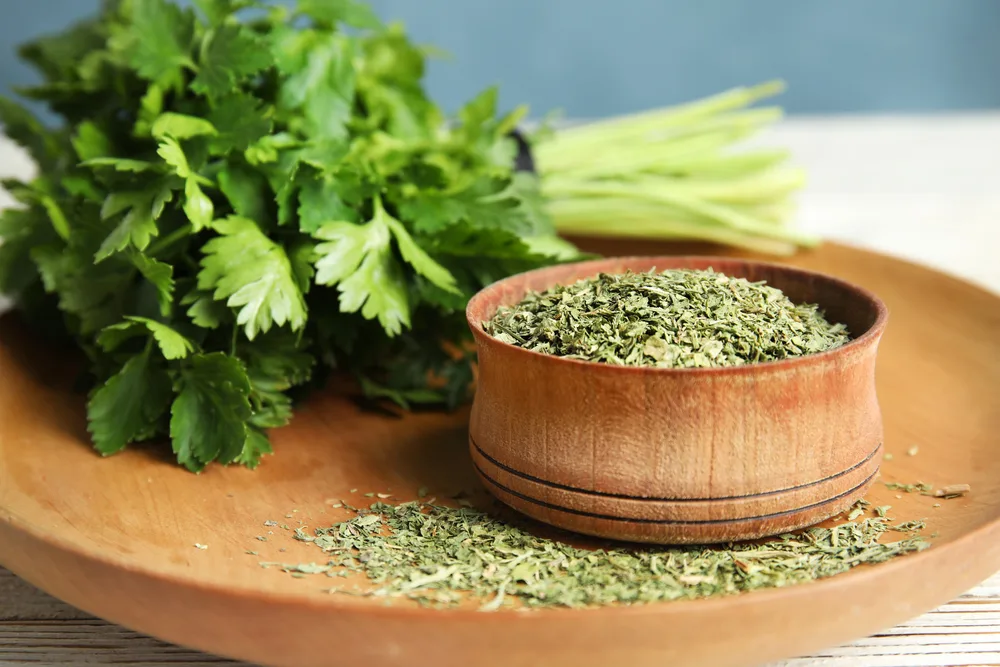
<point>439,555</point>
<point>674,318</point>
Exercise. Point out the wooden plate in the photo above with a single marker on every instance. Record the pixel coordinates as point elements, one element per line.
<point>116,537</point>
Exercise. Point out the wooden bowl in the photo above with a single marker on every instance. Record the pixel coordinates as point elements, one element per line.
<point>679,456</point>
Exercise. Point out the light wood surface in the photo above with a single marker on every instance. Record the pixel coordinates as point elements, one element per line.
<point>36,628</point>
<point>117,537</point>
<point>679,456</point>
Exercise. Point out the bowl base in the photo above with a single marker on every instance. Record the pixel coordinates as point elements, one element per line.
<point>678,520</point>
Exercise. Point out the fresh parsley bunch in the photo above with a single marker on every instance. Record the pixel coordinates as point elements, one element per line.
<point>241,194</point>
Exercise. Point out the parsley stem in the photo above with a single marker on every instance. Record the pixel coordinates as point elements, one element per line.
<point>169,239</point>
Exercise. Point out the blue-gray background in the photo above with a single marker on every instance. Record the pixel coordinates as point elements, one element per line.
<point>601,57</point>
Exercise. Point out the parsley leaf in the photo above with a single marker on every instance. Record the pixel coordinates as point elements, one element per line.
<point>253,273</point>
<point>256,445</point>
<point>332,12</point>
<point>180,126</point>
<point>205,311</point>
<point>229,54</point>
<point>275,363</point>
<point>231,201</point>
<point>21,126</point>
<point>208,417</point>
<point>90,142</point>
<point>172,344</point>
<point>242,120</point>
<point>319,202</point>
<point>319,82</point>
<point>128,405</point>
<point>138,225</point>
<point>158,41</point>
<point>245,188</point>
<point>358,258</point>
<point>160,275</point>
<point>218,11</point>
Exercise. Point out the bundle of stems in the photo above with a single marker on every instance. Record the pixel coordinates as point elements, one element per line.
<point>673,173</point>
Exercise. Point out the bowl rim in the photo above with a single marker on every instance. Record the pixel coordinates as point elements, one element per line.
<point>869,337</point>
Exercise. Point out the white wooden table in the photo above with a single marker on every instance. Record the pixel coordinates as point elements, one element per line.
<point>924,188</point>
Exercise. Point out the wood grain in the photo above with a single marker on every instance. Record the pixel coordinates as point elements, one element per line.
<point>679,456</point>
<point>116,537</point>
<point>965,632</point>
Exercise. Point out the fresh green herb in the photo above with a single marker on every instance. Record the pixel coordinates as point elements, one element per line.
<point>437,555</point>
<point>231,199</point>
<point>672,174</point>
<point>674,318</point>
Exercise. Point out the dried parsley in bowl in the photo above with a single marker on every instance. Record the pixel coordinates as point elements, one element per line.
<point>678,318</point>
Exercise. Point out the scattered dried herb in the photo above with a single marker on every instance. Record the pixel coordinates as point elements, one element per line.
<point>438,555</point>
<point>912,451</point>
<point>920,487</point>
<point>953,491</point>
<point>674,318</point>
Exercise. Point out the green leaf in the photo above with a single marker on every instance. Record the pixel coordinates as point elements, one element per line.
<point>21,125</point>
<point>404,398</point>
<point>90,142</point>
<point>358,258</point>
<point>319,81</point>
<point>205,311</point>
<point>480,110</point>
<point>252,273</point>
<point>276,362</point>
<point>302,256</point>
<point>217,11</point>
<point>241,120</point>
<point>257,445</point>
<point>172,344</point>
<point>197,206</point>
<point>329,13</point>
<point>95,293</point>
<point>59,56</point>
<point>208,417</point>
<point>552,246</point>
<point>56,216</point>
<point>229,54</point>
<point>21,229</point>
<point>320,202</point>
<point>160,275</point>
<point>415,256</point>
<point>158,41</point>
<point>245,188</point>
<point>173,155</point>
<point>121,164</point>
<point>128,405</point>
<point>138,225</point>
<point>150,108</point>
<point>181,126</point>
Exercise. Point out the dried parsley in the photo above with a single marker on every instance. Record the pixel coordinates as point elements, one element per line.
<point>921,487</point>
<point>674,318</point>
<point>437,555</point>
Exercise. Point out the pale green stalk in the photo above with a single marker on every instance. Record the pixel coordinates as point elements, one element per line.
<point>670,174</point>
